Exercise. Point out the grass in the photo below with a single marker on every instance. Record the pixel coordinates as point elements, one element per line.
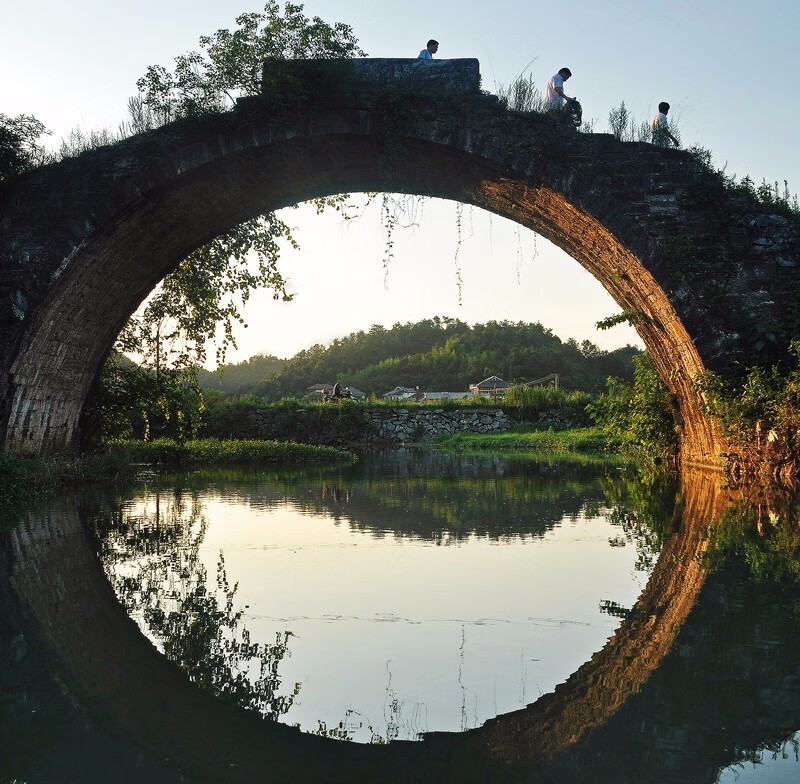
<point>212,451</point>
<point>23,479</point>
<point>580,440</point>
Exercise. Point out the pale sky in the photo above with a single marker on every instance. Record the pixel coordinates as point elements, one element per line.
<point>729,68</point>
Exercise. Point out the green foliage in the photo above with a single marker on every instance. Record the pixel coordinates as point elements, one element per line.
<point>760,416</point>
<point>530,400</point>
<point>522,95</point>
<point>446,355</point>
<point>527,439</point>
<point>231,379</point>
<point>230,64</point>
<point>211,451</point>
<point>626,317</point>
<point>773,195</point>
<point>19,148</point>
<point>135,402</point>
<point>764,542</point>
<point>226,416</point>
<point>625,127</point>
<point>638,414</point>
<point>203,297</point>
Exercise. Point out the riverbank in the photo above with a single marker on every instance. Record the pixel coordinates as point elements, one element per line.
<point>584,440</point>
<point>24,478</point>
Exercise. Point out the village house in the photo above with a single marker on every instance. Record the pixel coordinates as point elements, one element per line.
<point>401,393</point>
<point>319,389</point>
<point>493,387</point>
<point>445,395</point>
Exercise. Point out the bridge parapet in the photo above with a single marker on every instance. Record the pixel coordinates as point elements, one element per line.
<point>458,75</point>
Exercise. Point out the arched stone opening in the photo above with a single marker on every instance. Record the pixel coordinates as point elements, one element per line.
<point>104,279</point>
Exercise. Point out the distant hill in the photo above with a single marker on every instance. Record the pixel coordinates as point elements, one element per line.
<point>438,354</point>
<point>243,375</point>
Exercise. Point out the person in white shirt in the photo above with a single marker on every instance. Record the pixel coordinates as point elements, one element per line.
<point>555,98</point>
<point>659,127</point>
<point>429,51</point>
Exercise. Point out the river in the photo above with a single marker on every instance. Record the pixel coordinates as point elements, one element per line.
<point>417,616</point>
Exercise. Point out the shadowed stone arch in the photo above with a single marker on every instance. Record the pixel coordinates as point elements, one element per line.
<point>705,272</point>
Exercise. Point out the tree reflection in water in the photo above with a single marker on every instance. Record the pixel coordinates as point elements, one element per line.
<point>152,561</point>
<point>150,550</point>
<point>703,676</point>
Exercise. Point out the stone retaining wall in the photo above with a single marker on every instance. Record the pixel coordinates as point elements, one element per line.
<point>353,426</point>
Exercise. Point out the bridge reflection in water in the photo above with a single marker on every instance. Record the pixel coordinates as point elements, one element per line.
<point>700,667</point>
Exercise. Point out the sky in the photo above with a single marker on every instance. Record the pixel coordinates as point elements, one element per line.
<point>729,70</point>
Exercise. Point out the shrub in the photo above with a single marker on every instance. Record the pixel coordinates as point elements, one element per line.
<point>639,415</point>
<point>760,417</point>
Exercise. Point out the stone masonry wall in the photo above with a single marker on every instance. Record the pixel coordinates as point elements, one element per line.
<point>364,428</point>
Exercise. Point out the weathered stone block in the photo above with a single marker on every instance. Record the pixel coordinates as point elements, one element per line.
<point>450,75</point>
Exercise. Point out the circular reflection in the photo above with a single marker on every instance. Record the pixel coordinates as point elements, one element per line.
<point>409,594</point>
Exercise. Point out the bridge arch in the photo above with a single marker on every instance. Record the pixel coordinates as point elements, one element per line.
<point>84,241</point>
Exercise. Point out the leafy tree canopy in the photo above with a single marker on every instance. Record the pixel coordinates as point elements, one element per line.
<point>19,148</point>
<point>205,293</point>
<point>202,299</point>
<point>435,354</point>
<point>230,64</point>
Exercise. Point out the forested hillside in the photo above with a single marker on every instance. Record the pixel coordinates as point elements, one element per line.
<point>242,376</point>
<point>438,354</point>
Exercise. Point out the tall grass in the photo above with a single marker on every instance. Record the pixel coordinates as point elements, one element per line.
<point>212,451</point>
<point>545,398</point>
<point>582,440</point>
<point>626,127</point>
<point>23,479</point>
<point>522,95</point>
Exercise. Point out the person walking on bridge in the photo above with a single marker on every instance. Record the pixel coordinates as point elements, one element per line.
<point>659,127</point>
<point>429,51</point>
<point>555,98</point>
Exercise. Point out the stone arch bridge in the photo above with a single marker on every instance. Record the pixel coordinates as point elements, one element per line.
<point>708,274</point>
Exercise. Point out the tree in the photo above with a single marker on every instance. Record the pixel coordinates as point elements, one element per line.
<point>231,64</point>
<point>204,295</point>
<point>202,299</point>
<point>134,402</point>
<point>19,150</point>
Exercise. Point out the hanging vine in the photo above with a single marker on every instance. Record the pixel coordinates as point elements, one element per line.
<point>388,221</point>
<point>459,239</point>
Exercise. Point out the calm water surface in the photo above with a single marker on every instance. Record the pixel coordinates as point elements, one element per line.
<point>421,593</point>
<point>413,594</point>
